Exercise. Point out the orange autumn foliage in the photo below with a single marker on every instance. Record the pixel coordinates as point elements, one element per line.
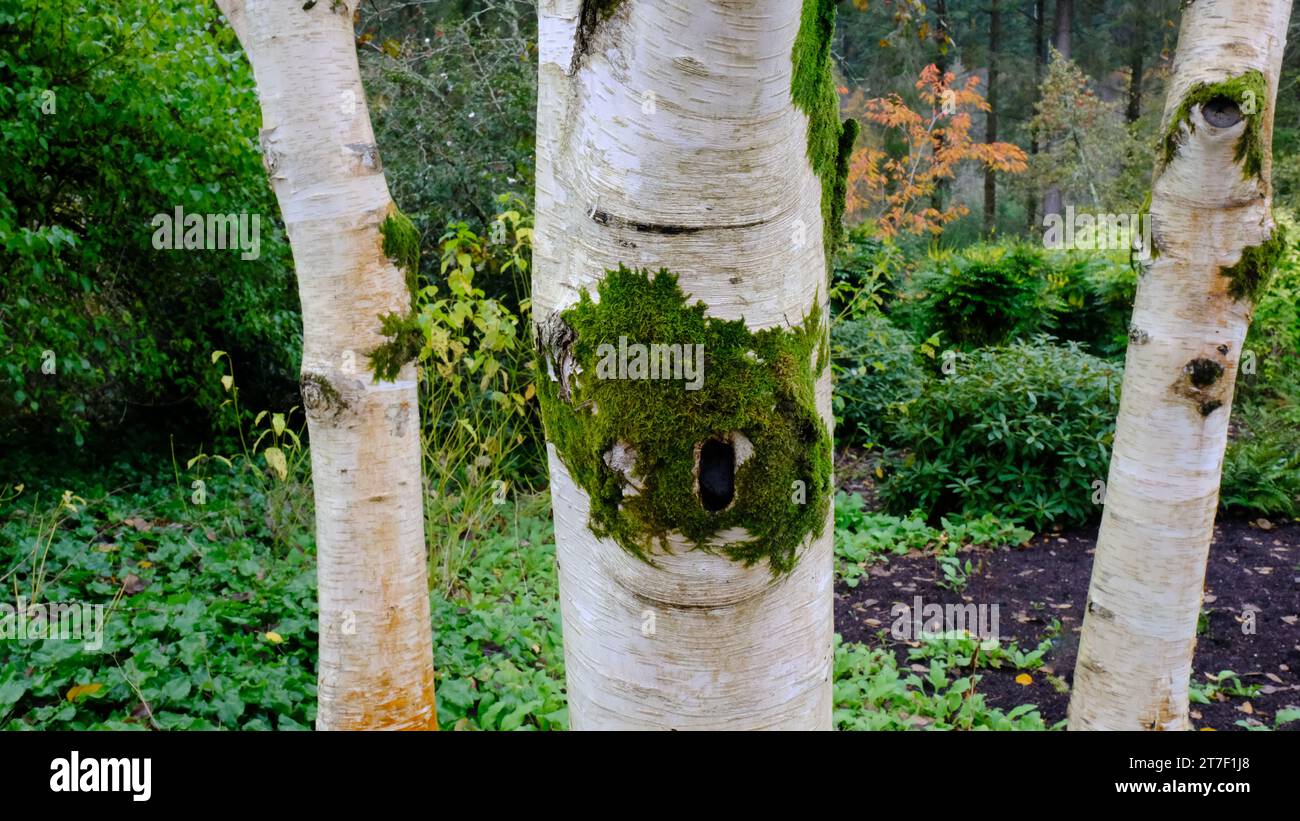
<point>895,192</point>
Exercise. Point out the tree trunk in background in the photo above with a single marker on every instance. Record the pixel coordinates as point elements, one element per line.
<point>1040,61</point>
<point>1214,237</point>
<point>376,650</point>
<point>1136,68</point>
<point>943,62</point>
<point>668,138</point>
<point>991,128</point>
<point>1062,26</point>
<point>1062,23</point>
<point>942,34</point>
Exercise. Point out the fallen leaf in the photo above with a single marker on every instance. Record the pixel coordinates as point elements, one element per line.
<point>133,584</point>
<point>83,690</point>
<point>274,637</point>
<point>137,523</point>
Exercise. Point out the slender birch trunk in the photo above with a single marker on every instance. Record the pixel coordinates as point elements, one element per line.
<point>1214,245</point>
<point>669,138</point>
<point>376,659</point>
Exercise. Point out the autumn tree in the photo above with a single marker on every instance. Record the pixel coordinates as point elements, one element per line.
<point>894,189</point>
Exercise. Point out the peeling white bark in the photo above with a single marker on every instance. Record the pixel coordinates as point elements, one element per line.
<point>1139,632</point>
<point>376,656</point>
<point>671,142</point>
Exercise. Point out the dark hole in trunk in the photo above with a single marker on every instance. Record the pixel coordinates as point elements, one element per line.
<point>1221,112</point>
<point>717,475</point>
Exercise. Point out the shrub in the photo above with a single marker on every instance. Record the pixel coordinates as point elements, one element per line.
<point>987,295</point>
<point>1020,431</point>
<point>991,294</point>
<point>1090,299</point>
<point>875,367</point>
<point>112,111</point>
<point>480,434</point>
<point>864,271</point>
<point>1261,470</point>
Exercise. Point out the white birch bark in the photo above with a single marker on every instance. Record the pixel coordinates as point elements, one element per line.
<point>376,660</point>
<point>1139,632</point>
<point>667,139</point>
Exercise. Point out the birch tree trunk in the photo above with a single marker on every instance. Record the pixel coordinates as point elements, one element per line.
<point>376,660</point>
<point>669,137</point>
<point>1214,245</point>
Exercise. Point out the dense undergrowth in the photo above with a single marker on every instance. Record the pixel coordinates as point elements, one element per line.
<point>212,624</point>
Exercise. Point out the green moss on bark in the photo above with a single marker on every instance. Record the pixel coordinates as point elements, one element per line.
<point>1250,92</point>
<point>633,444</point>
<point>830,142</point>
<point>1250,275</point>
<point>405,341</point>
<point>402,246</point>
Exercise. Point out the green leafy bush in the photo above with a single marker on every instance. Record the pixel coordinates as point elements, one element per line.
<point>1090,299</point>
<point>991,294</point>
<point>864,270</point>
<point>1020,431</point>
<point>876,366</point>
<point>1261,470</point>
<point>113,111</point>
<point>987,295</point>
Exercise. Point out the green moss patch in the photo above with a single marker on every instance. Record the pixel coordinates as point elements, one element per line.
<point>1250,92</point>
<point>405,341</point>
<point>1251,273</point>
<point>405,337</point>
<point>830,142</point>
<point>402,246</point>
<point>633,444</point>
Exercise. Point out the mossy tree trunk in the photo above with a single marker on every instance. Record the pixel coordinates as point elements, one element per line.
<point>1214,245</point>
<point>376,658</point>
<point>702,142</point>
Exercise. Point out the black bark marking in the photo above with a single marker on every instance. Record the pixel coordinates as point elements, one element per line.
<point>665,229</point>
<point>1203,372</point>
